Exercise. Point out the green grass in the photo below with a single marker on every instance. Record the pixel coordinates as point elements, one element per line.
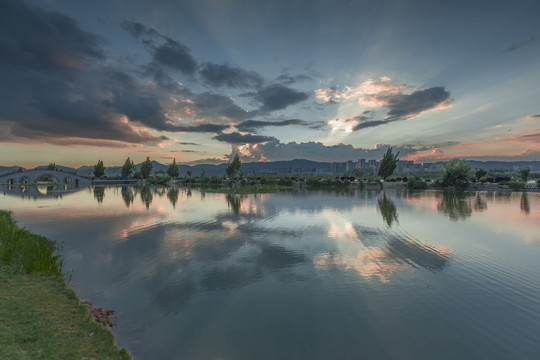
<point>22,251</point>
<point>250,189</point>
<point>40,316</point>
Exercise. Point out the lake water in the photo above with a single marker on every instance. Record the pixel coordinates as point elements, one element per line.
<point>302,275</point>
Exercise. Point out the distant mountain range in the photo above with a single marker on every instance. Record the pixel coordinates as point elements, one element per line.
<point>275,167</point>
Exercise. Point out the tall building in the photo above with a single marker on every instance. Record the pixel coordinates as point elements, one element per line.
<point>349,166</point>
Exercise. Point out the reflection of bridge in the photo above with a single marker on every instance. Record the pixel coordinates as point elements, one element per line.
<point>40,191</point>
<point>33,176</point>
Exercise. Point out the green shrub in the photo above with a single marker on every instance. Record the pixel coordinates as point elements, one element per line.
<point>414,184</point>
<point>163,180</point>
<point>285,181</point>
<point>516,185</point>
<point>215,180</point>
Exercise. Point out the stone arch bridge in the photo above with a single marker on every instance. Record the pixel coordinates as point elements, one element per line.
<point>32,177</point>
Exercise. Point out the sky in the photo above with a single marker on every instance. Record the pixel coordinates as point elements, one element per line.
<point>200,81</point>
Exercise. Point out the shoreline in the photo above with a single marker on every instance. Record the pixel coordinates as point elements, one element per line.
<point>42,317</point>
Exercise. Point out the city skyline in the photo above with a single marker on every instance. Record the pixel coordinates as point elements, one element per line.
<point>274,80</point>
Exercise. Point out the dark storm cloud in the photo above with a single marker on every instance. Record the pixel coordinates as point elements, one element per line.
<point>371,123</point>
<point>278,97</point>
<point>44,41</point>
<point>138,30</point>
<point>226,75</point>
<point>253,125</point>
<point>403,106</point>
<point>208,105</point>
<point>53,84</point>
<point>175,56</point>
<point>519,45</point>
<point>421,100</point>
<point>166,52</point>
<point>291,79</point>
<point>202,128</point>
<point>188,143</point>
<point>160,75</point>
<point>237,138</point>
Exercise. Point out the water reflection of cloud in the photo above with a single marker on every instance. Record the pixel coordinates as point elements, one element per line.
<point>394,255</point>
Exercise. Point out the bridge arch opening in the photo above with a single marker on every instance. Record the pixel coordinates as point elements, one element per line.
<point>48,178</point>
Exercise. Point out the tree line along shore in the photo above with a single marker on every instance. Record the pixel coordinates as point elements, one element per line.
<point>456,174</point>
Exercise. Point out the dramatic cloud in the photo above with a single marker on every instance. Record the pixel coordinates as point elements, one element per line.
<point>166,51</point>
<point>371,123</point>
<point>237,138</point>
<point>214,106</point>
<point>402,106</point>
<point>520,44</point>
<point>253,125</point>
<point>287,79</point>
<point>35,40</point>
<point>138,30</point>
<point>365,93</point>
<point>175,56</point>
<point>383,93</point>
<point>316,151</point>
<point>226,75</point>
<point>188,143</point>
<point>278,97</point>
<point>54,85</point>
<point>533,117</point>
<point>202,128</point>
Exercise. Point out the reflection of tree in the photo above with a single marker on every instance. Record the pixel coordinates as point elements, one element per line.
<point>146,196</point>
<point>525,206</point>
<point>127,195</point>
<point>388,210</point>
<point>479,203</point>
<point>99,193</point>
<point>411,251</point>
<point>172,194</point>
<point>455,204</point>
<point>188,193</point>
<point>234,202</point>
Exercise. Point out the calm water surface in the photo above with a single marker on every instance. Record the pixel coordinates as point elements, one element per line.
<point>305,275</point>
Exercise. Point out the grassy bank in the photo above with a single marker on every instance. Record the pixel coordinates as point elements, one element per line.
<point>40,316</point>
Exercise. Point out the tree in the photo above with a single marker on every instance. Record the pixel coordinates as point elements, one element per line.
<point>525,173</point>
<point>172,171</point>
<point>99,169</point>
<point>127,168</point>
<point>388,164</point>
<point>146,168</point>
<point>234,167</point>
<point>456,174</point>
<point>189,176</point>
<point>480,173</point>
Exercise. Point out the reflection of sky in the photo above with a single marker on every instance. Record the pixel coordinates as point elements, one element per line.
<point>199,275</point>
